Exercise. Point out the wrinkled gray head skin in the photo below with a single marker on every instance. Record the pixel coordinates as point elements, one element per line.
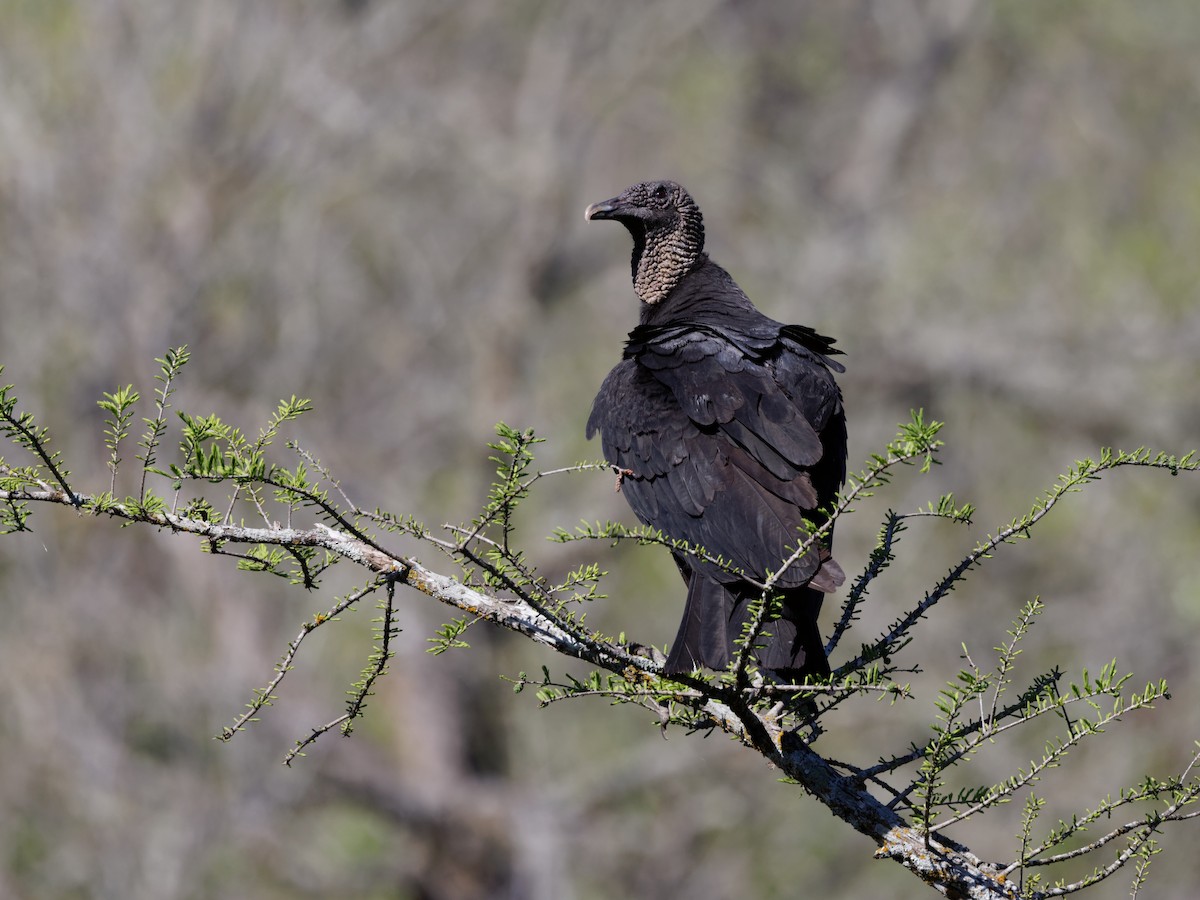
<point>667,230</point>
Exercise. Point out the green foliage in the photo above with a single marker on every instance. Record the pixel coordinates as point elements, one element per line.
<point>642,535</point>
<point>957,737</point>
<point>217,452</point>
<point>670,702</point>
<point>156,426</point>
<point>448,637</point>
<point>493,561</point>
<point>45,474</point>
<point>119,405</point>
<point>377,663</point>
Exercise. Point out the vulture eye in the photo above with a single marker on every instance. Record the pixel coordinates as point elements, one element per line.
<point>660,193</point>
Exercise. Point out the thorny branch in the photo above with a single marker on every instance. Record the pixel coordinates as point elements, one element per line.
<point>512,594</point>
<point>943,864</point>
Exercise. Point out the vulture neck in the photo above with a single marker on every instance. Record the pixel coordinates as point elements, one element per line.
<point>661,259</point>
<point>705,295</point>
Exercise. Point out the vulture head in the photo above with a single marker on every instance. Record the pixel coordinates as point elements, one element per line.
<point>667,230</point>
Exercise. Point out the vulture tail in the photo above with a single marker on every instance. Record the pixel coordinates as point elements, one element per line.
<point>713,619</point>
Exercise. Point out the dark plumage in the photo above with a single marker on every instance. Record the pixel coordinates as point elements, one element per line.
<point>729,428</point>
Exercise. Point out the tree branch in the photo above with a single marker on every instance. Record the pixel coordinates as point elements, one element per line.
<point>742,704</point>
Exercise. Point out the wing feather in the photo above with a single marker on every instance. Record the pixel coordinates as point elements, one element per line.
<point>720,439</point>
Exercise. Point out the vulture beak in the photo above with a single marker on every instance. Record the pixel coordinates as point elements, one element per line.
<point>605,209</point>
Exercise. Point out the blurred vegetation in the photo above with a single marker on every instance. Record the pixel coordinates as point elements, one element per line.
<point>993,207</point>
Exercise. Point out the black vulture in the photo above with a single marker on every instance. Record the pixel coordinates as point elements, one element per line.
<point>728,430</point>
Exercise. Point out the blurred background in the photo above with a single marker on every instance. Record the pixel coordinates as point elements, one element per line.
<point>995,208</point>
